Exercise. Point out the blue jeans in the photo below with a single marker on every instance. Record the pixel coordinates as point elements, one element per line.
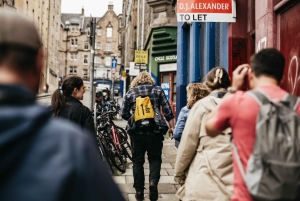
<point>152,144</point>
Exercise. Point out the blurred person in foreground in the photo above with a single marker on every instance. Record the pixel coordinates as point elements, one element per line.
<point>42,158</point>
<point>239,110</point>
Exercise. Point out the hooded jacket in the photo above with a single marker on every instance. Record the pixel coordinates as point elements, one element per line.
<point>44,158</point>
<point>205,163</point>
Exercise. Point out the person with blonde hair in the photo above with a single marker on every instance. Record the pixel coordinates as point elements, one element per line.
<point>148,140</point>
<point>195,92</point>
<point>204,164</point>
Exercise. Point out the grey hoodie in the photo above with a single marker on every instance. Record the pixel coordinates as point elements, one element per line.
<point>42,158</point>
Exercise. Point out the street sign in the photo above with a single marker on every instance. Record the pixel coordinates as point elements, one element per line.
<point>141,56</point>
<point>114,63</point>
<point>140,66</point>
<point>206,11</point>
<point>113,70</point>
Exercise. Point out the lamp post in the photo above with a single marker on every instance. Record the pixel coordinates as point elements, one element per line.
<point>66,59</point>
<point>92,43</point>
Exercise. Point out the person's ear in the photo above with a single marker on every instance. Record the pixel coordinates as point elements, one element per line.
<point>282,80</point>
<point>250,75</point>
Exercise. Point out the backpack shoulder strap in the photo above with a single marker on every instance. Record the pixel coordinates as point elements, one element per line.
<point>259,97</point>
<point>293,101</point>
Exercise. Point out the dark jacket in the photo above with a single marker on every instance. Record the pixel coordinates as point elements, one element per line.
<point>79,114</point>
<point>44,158</point>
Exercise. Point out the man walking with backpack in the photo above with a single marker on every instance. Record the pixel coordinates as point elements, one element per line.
<point>266,131</point>
<point>147,136</point>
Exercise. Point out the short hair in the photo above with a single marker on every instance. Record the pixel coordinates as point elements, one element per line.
<point>268,62</point>
<point>18,58</point>
<point>217,78</point>
<point>196,91</point>
<point>142,78</point>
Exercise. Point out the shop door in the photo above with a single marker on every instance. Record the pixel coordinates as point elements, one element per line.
<point>170,78</point>
<point>290,48</point>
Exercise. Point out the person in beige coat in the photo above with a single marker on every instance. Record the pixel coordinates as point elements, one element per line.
<point>203,164</point>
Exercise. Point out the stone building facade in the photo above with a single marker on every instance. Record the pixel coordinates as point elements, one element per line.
<point>75,49</point>
<point>46,16</point>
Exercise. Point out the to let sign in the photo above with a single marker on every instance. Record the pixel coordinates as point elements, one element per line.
<point>206,10</point>
<point>141,56</point>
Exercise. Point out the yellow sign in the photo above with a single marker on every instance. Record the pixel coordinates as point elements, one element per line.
<point>141,56</point>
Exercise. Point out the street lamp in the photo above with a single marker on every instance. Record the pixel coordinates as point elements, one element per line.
<point>67,27</point>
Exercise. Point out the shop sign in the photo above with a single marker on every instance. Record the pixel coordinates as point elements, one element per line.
<point>168,67</point>
<point>206,11</point>
<point>132,70</point>
<point>140,66</point>
<point>166,58</point>
<point>141,56</point>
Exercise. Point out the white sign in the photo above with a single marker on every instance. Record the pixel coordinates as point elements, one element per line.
<point>113,70</point>
<point>132,70</point>
<point>206,10</point>
<point>167,67</point>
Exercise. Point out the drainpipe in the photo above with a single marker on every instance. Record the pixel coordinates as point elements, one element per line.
<point>143,26</point>
<point>138,25</point>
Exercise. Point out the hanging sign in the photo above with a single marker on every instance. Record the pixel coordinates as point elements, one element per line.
<point>141,56</point>
<point>206,11</point>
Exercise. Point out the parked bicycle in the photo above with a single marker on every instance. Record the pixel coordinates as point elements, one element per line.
<point>113,142</point>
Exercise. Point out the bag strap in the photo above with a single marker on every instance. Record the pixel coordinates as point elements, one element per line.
<point>259,97</point>
<point>292,100</point>
<point>263,99</point>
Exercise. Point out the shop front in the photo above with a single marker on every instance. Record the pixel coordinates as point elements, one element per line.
<point>162,48</point>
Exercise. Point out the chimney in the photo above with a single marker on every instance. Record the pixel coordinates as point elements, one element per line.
<point>110,6</point>
<point>82,11</point>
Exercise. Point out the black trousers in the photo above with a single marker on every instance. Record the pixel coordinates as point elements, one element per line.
<point>152,144</point>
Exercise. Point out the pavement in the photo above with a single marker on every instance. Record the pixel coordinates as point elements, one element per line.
<point>167,187</point>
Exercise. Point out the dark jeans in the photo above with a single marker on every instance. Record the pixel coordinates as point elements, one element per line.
<point>152,144</point>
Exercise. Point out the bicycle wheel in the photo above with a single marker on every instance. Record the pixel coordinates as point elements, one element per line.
<point>104,153</point>
<point>127,150</point>
<point>115,157</point>
<point>122,134</point>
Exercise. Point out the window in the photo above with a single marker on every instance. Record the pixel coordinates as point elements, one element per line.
<point>72,42</point>
<point>85,73</point>
<point>86,45</point>
<point>85,59</point>
<point>109,32</point>
<point>75,42</point>
<point>98,31</point>
<point>97,45</point>
<point>119,60</point>
<point>120,38</point>
<point>108,46</point>
<point>108,61</point>
<point>73,70</point>
<point>87,32</point>
<point>97,59</point>
<point>74,56</point>
<point>74,28</point>
<point>120,22</point>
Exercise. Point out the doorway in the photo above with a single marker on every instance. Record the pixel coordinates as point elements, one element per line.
<point>168,83</point>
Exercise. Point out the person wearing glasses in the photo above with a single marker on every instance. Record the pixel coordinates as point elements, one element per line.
<point>66,103</point>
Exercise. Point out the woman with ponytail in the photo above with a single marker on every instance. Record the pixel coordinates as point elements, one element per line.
<point>204,164</point>
<point>65,103</point>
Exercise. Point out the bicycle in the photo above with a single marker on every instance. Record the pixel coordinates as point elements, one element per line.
<point>118,148</point>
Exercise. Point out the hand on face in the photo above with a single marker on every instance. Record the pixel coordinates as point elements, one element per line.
<point>239,75</point>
